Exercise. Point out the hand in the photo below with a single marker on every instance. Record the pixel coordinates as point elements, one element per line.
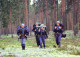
<point>25,35</point>
<point>35,29</point>
<point>59,27</point>
<point>46,37</point>
<point>19,35</point>
<point>39,30</point>
<point>55,27</point>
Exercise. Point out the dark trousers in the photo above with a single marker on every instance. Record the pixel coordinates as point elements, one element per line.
<point>58,38</point>
<point>23,46</point>
<point>37,40</point>
<point>42,40</point>
<point>23,43</point>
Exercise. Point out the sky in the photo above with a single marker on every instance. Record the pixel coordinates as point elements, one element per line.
<point>31,2</point>
<point>59,1</point>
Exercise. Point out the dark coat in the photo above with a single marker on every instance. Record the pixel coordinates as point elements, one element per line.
<point>58,30</point>
<point>36,32</point>
<point>42,32</point>
<point>23,32</point>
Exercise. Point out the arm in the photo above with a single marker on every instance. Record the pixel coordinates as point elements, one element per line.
<point>55,29</point>
<point>60,31</point>
<point>62,26</point>
<point>26,32</point>
<point>46,34</point>
<point>34,29</point>
<point>18,32</point>
<point>39,32</point>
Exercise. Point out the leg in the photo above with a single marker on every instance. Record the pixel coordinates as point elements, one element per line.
<point>40,38</point>
<point>56,39</point>
<point>37,40</point>
<point>43,40</point>
<point>23,43</point>
<point>59,40</point>
<point>23,46</point>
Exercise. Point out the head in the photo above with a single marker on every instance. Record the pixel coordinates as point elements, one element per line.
<point>36,23</point>
<point>41,26</point>
<point>22,25</point>
<point>58,23</point>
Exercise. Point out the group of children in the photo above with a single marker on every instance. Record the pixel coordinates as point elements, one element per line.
<point>40,33</point>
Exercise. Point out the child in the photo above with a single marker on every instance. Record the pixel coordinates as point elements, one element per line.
<point>58,33</point>
<point>22,33</point>
<point>42,34</point>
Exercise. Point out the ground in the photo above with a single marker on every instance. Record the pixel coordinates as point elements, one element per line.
<point>11,47</point>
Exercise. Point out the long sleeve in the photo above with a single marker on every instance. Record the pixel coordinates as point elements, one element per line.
<point>34,29</point>
<point>57,30</point>
<point>26,32</point>
<point>46,33</point>
<point>18,32</point>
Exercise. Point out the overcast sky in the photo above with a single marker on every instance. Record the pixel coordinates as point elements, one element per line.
<point>31,2</point>
<point>59,1</point>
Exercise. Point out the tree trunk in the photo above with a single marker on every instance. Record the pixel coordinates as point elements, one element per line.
<point>69,21</point>
<point>57,10</point>
<point>26,14</point>
<point>54,14</point>
<point>34,16</point>
<point>41,11</point>
<point>79,15</point>
<point>78,12</point>
<point>63,15</point>
<point>75,17</point>
<point>0,28</point>
<point>11,23</point>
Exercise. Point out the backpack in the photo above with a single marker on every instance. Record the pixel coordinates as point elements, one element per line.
<point>25,31</point>
<point>19,27</point>
<point>27,28</point>
<point>35,25</point>
<point>60,25</point>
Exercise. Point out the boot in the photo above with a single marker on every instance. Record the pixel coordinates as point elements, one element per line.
<point>23,46</point>
<point>59,45</point>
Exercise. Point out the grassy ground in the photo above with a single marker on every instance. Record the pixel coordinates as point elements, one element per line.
<point>11,47</point>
